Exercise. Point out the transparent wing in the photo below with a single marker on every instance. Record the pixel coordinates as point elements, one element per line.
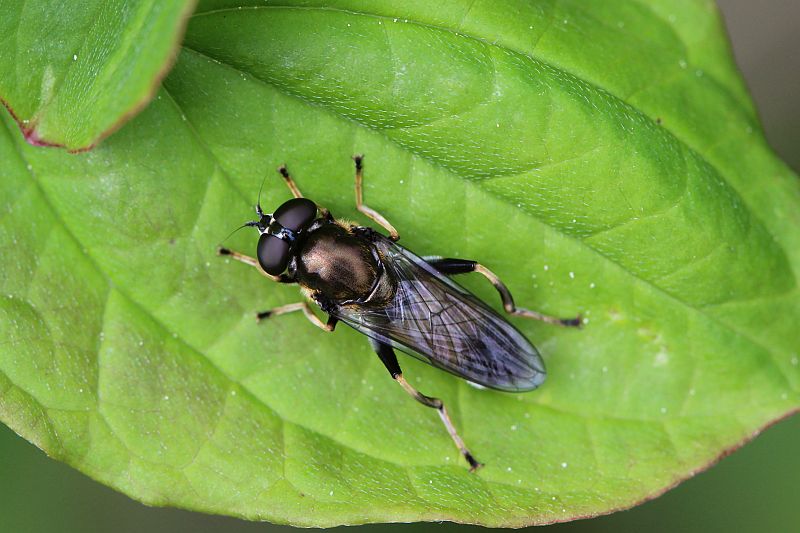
<point>439,322</point>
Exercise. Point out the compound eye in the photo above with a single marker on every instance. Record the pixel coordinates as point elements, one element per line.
<point>273,254</point>
<point>296,214</point>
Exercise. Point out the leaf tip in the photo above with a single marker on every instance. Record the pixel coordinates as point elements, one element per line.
<point>28,129</point>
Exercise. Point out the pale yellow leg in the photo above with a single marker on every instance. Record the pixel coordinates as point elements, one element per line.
<point>368,211</point>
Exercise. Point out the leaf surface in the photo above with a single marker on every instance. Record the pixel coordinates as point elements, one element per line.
<point>71,73</point>
<point>602,160</point>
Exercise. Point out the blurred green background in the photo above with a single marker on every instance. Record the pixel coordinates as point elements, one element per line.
<point>755,489</point>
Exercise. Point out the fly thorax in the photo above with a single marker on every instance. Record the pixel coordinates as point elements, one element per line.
<point>338,264</point>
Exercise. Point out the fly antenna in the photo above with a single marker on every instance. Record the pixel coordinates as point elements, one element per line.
<point>250,224</point>
<point>258,202</point>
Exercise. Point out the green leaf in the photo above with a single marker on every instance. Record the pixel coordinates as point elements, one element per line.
<point>72,73</point>
<point>601,158</point>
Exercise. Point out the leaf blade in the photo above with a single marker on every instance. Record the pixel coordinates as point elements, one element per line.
<point>108,59</point>
<point>650,377</point>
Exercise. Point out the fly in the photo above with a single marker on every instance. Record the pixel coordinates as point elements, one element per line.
<point>395,297</point>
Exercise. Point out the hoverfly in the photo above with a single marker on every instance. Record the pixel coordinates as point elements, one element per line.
<point>395,297</point>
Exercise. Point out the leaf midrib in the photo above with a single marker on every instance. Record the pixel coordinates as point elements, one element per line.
<point>699,310</point>
<point>538,59</point>
<point>408,468</point>
<point>199,353</point>
<point>584,417</point>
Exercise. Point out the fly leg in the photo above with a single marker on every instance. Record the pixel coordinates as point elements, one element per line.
<point>387,356</point>
<point>462,266</point>
<point>368,211</point>
<point>287,178</point>
<point>306,309</point>
<point>289,181</point>
<point>283,278</point>
<point>253,262</point>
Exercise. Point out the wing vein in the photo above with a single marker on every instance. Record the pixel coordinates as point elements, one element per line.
<point>436,320</point>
